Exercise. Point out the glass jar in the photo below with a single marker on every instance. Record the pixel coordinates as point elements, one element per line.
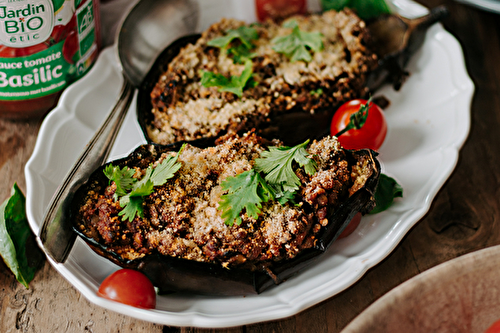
<point>279,9</point>
<point>45,45</point>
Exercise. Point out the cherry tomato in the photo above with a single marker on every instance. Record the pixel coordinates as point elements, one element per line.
<point>130,287</point>
<point>351,226</point>
<point>371,135</point>
<point>495,328</point>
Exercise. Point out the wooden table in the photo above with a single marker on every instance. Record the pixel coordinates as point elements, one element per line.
<point>464,217</point>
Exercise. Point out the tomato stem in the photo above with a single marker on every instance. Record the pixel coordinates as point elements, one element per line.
<point>357,119</point>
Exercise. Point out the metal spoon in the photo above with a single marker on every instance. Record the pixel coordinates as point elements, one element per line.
<point>143,34</point>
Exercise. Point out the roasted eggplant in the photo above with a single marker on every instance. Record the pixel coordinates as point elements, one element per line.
<point>376,54</point>
<point>168,246</point>
<point>289,100</point>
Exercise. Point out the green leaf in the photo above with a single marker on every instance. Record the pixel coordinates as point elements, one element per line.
<point>284,197</point>
<point>235,84</point>
<point>132,208</point>
<point>122,178</point>
<point>277,165</point>
<point>132,190</point>
<point>244,33</point>
<point>240,54</point>
<point>317,92</point>
<point>365,9</point>
<point>246,191</point>
<point>297,44</point>
<point>166,169</point>
<point>17,243</point>
<point>387,190</point>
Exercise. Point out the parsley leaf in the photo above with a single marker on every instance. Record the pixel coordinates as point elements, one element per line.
<point>235,84</point>
<point>245,191</point>
<point>244,34</point>
<point>249,189</point>
<point>131,208</point>
<point>241,52</point>
<point>277,165</point>
<point>122,178</point>
<point>130,191</point>
<point>297,44</point>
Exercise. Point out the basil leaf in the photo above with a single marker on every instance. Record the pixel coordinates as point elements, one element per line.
<point>387,190</point>
<point>17,243</point>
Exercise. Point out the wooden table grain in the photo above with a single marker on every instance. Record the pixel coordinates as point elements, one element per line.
<point>464,216</point>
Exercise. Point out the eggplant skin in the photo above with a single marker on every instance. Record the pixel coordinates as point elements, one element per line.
<point>223,274</point>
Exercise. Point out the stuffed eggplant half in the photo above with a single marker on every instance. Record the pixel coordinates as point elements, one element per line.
<point>231,219</point>
<point>272,76</point>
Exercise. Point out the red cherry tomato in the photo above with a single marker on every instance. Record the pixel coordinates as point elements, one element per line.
<point>371,135</point>
<point>351,226</point>
<point>495,328</point>
<point>130,287</point>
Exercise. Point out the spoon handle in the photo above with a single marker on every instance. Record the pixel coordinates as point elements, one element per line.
<point>56,234</point>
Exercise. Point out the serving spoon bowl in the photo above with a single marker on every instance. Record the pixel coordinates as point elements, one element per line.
<point>142,35</point>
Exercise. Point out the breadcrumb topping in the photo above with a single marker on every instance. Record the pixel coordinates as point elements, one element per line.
<point>185,110</point>
<point>182,219</point>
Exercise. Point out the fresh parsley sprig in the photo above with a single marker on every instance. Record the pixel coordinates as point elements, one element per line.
<point>130,191</point>
<point>297,44</point>
<point>235,84</point>
<point>242,52</point>
<point>245,191</point>
<point>249,189</point>
<point>244,33</point>
<point>277,164</point>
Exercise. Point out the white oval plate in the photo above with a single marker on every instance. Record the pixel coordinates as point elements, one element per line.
<point>428,123</point>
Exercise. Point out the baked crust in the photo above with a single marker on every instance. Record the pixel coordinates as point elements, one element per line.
<point>182,219</point>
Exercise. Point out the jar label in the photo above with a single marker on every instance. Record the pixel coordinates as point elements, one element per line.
<point>64,50</point>
<point>25,22</point>
<point>34,76</point>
